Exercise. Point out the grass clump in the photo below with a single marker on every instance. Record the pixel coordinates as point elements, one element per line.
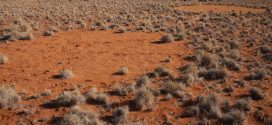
<point>232,64</point>
<point>160,71</point>
<point>191,112</point>
<point>167,38</point>
<point>102,98</point>
<point>70,98</point>
<point>209,60</point>
<point>171,87</point>
<point>66,74</point>
<point>3,59</point>
<point>243,105</point>
<point>142,82</point>
<point>94,97</point>
<point>120,116</point>
<point>122,71</point>
<point>213,74</point>
<point>256,94</point>
<point>143,100</point>
<point>234,117</point>
<point>8,97</point>
<point>48,33</point>
<point>259,75</point>
<point>122,30</point>
<point>179,36</point>
<point>18,31</point>
<point>123,90</point>
<point>210,106</point>
<point>78,116</point>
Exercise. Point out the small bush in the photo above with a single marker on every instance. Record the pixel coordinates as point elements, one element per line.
<point>191,112</point>
<point>169,96</point>
<point>142,82</point>
<point>70,98</point>
<point>234,117</point>
<point>121,91</point>
<point>122,71</point>
<point>179,36</point>
<point>243,105</point>
<point>46,92</point>
<point>143,100</point>
<point>18,31</point>
<point>120,116</point>
<point>259,75</point>
<point>213,74</point>
<point>122,30</point>
<point>48,33</point>
<point>77,116</point>
<point>171,87</point>
<point>8,97</point>
<point>3,59</point>
<point>210,106</point>
<point>160,71</point>
<point>265,49</point>
<point>234,54</point>
<point>234,44</point>
<point>66,74</point>
<point>167,38</point>
<point>232,64</point>
<point>209,60</point>
<point>102,98</point>
<point>256,94</point>
<point>91,95</point>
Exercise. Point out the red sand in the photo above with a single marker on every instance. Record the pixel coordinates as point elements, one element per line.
<point>93,57</point>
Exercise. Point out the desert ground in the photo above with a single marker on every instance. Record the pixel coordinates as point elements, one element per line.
<point>135,62</point>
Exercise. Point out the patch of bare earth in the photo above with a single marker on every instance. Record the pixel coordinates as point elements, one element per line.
<point>92,56</point>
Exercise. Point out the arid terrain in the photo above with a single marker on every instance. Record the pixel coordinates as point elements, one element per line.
<point>135,62</point>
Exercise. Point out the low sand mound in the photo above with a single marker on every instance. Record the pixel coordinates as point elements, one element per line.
<point>218,9</point>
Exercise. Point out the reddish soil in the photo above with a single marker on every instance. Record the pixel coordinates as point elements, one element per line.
<point>219,9</point>
<point>93,57</point>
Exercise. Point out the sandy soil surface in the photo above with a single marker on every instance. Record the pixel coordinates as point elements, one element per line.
<point>93,57</point>
<point>194,62</point>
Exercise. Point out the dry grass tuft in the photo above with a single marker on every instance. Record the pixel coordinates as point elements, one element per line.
<point>3,59</point>
<point>143,100</point>
<point>66,74</point>
<point>78,116</point>
<point>167,38</point>
<point>120,116</point>
<point>8,97</point>
<point>70,98</point>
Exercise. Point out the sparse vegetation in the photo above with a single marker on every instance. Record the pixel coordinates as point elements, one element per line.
<point>213,74</point>
<point>66,74</point>
<point>225,54</point>
<point>256,94</point>
<point>8,97</point>
<point>70,98</point>
<point>142,82</point>
<point>3,59</point>
<point>120,116</point>
<point>143,100</point>
<point>160,71</point>
<point>48,33</point>
<point>78,116</point>
<point>122,71</point>
<point>94,97</point>
<point>167,38</point>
